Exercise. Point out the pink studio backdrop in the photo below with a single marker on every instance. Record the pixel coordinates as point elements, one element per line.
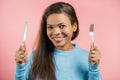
<point>105,14</point>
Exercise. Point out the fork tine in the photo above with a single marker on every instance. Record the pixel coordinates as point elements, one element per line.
<point>91,27</point>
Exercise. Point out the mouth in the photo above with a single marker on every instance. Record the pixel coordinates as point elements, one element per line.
<point>58,39</point>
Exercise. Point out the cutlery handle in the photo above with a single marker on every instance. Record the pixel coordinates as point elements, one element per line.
<point>92,41</point>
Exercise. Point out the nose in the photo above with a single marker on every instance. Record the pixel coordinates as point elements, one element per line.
<point>56,31</point>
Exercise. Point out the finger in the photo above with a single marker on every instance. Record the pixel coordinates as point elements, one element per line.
<point>94,60</point>
<point>93,56</point>
<point>97,56</point>
<point>94,63</point>
<point>95,52</point>
<point>24,56</point>
<point>22,48</point>
<point>94,48</point>
<point>92,52</point>
<point>19,61</point>
<point>19,56</point>
<point>20,52</point>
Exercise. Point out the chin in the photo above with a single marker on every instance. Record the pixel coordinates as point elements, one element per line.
<point>59,44</point>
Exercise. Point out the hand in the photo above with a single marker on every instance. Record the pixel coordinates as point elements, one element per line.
<point>21,55</point>
<point>94,56</point>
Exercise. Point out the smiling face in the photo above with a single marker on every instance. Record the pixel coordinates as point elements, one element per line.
<point>60,30</point>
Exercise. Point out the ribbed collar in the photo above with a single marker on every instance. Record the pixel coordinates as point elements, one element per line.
<point>64,52</point>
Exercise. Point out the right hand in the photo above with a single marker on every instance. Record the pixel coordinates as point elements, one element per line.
<point>21,55</point>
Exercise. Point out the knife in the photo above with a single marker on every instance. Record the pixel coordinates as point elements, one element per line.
<point>25,33</point>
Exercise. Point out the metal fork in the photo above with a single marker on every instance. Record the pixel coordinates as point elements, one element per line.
<point>92,33</point>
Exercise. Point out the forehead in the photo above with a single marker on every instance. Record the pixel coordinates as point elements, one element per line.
<point>57,18</point>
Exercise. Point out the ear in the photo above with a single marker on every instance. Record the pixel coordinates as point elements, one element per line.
<point>74,27</point>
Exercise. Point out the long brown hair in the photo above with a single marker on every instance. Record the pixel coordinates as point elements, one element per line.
<point>43,66</point>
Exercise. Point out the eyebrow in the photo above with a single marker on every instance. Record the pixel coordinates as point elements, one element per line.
<point>61,23</point>
<point>58,24</point>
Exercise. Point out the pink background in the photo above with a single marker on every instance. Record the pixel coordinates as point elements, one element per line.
<point>105,14</point>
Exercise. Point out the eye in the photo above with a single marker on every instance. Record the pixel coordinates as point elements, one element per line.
<point>49,27</point>
<point>62,26</point>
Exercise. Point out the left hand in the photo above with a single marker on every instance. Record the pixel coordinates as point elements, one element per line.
<point>94,55</point>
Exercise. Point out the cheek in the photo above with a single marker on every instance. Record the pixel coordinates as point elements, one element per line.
<point>68,31</point>
<point>49,34</point>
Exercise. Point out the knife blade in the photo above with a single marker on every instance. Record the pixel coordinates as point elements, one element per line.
<point>25,33</point>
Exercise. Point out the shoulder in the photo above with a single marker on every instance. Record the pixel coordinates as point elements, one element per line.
<point>81,50</point>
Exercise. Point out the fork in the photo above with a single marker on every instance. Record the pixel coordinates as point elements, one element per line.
<point>91,32</point>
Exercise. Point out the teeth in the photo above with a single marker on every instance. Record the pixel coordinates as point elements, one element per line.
<point>58,39</point>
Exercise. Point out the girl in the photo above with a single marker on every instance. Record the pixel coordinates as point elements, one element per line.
<point>55,57</point>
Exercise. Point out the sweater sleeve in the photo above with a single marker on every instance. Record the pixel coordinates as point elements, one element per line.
<point>94,73</point>
<point>23,71</point>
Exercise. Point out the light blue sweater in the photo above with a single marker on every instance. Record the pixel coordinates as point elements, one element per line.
<point>69,65</point>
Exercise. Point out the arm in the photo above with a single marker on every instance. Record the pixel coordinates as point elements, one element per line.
<point>20,72</point>
<point>94,59</point>
<point>94,73</point>
<point>23,70</point>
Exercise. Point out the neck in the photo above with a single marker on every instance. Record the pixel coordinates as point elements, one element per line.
<point>66,47</point>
